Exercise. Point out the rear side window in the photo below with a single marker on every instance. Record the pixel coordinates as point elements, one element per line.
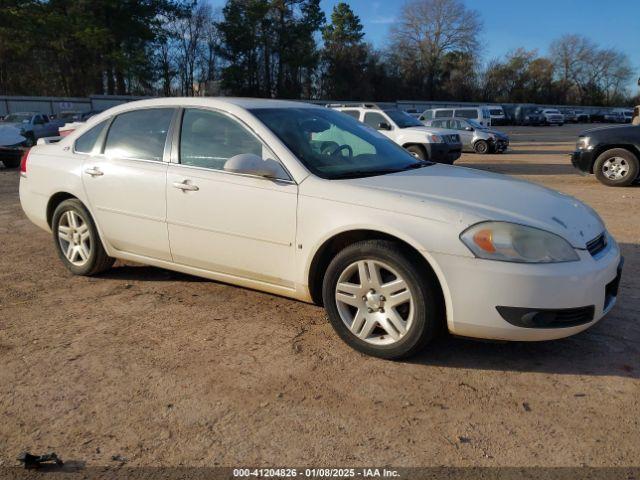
<point>140,134</point>
<point>86,141</point>
<point>352,113</point>
<point>444,113</point>
<point>467,113</point>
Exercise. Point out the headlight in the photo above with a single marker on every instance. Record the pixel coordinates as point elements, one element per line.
<point>583,143</point>
<point>510,242</point>
<point>435,139</point>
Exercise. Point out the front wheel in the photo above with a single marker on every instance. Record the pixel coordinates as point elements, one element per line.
<point>76,239</point>
<point>616,167</point>
<point>417,151</point>
<point>481,147</point>
<point>379,301</point>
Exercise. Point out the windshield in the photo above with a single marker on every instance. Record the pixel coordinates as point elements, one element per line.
<point>18,118</point>
<point>333,145</point>
<point>476,125</point>
<point>403,119</point>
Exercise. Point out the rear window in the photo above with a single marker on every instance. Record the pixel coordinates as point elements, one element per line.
<point>86,141</point>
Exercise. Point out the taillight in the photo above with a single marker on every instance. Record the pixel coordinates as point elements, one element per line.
<point>23,162</point>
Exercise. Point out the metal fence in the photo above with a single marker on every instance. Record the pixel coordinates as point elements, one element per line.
<point>55,105</point>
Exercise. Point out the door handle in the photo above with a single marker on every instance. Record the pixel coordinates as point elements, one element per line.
<point>94,171</point>
<point>184,186</point>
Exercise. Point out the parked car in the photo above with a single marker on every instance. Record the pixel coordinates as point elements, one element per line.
<point>570,115</point>
<point>582,116</point>
<point>598,116</point>
<point>426,144</point>
<point>21,130</point>
<point>529,115</point>
<point>395,248</point>
<point>479,114</point>
<point>552,116</point>
<point>475,137</point>
<point>497,114</point>
<point>628,115</point>
<point>611,153</point>
<point>614,116</point>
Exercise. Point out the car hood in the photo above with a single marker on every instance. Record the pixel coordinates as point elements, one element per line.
<point>467,196</point>
<point>10,134</point>
<point>610,129</point>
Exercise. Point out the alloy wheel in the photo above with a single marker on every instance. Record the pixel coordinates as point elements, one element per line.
<point>615,168</point>
<point>74,238</point>
<point>374,302</point>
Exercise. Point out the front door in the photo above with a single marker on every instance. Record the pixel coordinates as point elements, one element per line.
<point>238,225</point>
<point>126,183</point>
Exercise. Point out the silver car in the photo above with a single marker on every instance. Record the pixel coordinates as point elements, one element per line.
<point>474,136</point>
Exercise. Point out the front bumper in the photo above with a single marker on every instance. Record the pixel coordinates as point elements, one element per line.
<point>475,288</point>
<point>11,152</point>
<point>583,160</point>
<point>444,152</point>
<point>501,145</point>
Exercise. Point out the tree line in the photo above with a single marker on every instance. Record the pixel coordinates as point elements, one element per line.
<point>288,49</point>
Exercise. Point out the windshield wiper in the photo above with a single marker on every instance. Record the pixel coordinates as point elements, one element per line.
<point>419,164</point>
<point>364,173</point>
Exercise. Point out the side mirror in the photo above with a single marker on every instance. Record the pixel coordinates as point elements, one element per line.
<point>384,126</point>
<point>252,164</point>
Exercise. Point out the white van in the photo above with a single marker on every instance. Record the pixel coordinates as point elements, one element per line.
<point>479,114</point>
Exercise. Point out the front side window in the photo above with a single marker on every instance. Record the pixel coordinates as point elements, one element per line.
<point>444,113</point>
<point>86,141</point>
<point>427,115</point>
<point>208,139</point>
<point>140,134</point>
<point>374,119</point>
<point>334,146</point>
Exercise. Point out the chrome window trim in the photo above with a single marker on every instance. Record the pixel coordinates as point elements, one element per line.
<point>175,150</point>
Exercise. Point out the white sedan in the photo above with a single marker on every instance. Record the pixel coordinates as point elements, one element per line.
<point>305,202</point>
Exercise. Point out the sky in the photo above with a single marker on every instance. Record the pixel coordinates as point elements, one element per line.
<point>532,24</point>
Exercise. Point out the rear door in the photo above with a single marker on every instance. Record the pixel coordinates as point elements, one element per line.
<point>125,181</point>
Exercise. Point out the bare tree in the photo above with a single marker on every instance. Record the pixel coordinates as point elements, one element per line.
<point>427,31</point>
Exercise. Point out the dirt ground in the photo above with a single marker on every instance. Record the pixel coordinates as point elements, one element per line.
<point>165,369</point>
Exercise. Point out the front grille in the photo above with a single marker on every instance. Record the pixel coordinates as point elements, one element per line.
<point>454,138</point>
<point>597,245</point>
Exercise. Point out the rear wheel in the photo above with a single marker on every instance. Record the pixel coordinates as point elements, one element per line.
<point>481,147</point>
<point>76,239</point>
<point>616,167</point>
<point>379,301</point>
<point>417,151</point>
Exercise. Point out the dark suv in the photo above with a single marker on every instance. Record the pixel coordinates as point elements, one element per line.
<point>611,153</point>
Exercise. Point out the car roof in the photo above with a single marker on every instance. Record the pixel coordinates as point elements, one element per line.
<point>247,103</point>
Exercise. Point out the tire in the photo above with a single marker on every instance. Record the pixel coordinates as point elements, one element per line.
<point>616,167</point>
<point>11,162</point>
<point>365,320</point>
<point>417,151</point>
<point>81,251</point>
<point>481,147</point>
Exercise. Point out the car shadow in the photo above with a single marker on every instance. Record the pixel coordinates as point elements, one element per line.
<point>524,168</point>
<point>148,274</point>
